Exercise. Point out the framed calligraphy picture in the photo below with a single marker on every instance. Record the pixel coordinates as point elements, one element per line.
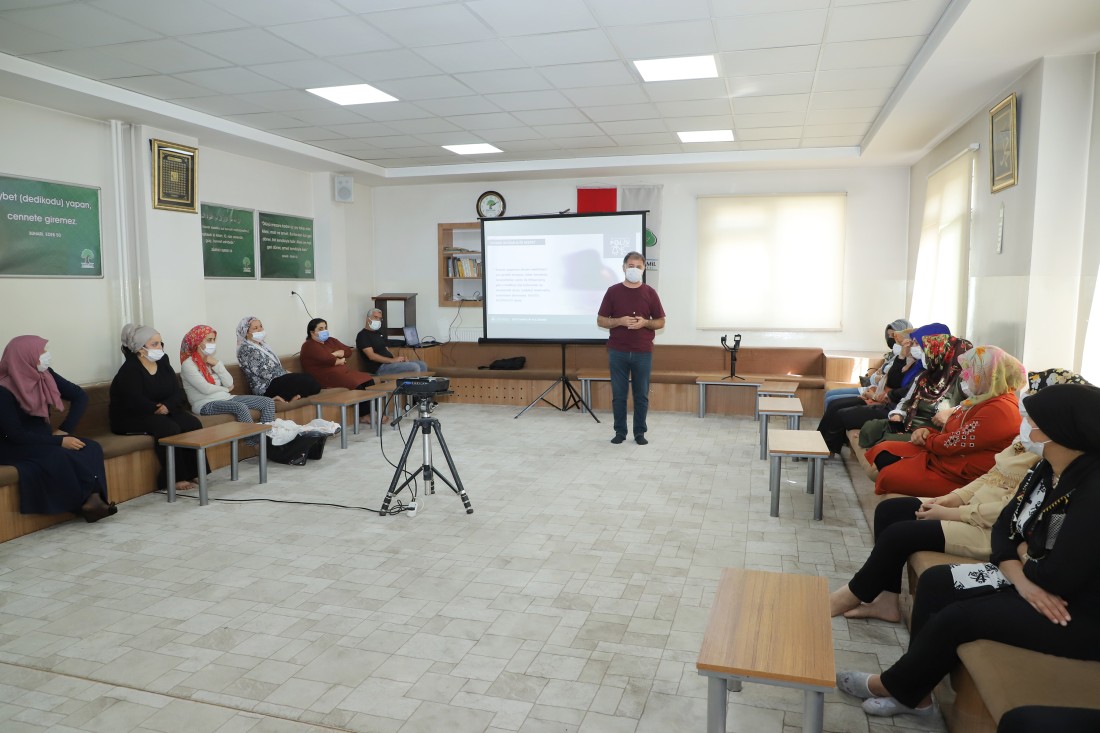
<point>174,171</point>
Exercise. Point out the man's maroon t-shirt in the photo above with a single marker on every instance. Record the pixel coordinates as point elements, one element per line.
<point>619,301</point>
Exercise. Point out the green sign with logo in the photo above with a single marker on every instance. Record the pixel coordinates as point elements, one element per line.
<point>49,229</point>
<point>286,247</point>
<point>228,242</point>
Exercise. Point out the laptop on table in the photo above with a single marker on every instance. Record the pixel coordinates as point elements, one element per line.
<point>412,339</point>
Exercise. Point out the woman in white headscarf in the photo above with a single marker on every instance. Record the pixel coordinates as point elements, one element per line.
<point>262,368</point>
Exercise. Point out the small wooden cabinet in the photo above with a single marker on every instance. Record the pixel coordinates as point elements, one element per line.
<point>460,265</point>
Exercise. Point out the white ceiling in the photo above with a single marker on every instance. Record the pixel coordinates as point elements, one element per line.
<point>550,83</point>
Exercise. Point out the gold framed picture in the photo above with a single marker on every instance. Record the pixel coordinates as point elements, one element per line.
<point>175,168</point>
<point>1002,145</point>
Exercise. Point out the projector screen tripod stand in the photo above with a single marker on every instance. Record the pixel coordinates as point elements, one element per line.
<point>570,397</point>
<point>425,426</point>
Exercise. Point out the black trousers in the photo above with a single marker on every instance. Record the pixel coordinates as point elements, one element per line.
<point>1043,718</point>
<point>897,536</point>
<point>844,414</point>
<point>1001,616</point>
<point>164,426</point>
<point>292,385</point>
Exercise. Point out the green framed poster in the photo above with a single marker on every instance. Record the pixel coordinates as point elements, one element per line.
<point>49,229</point>
<point>286,247</point>
<point>228,242</point>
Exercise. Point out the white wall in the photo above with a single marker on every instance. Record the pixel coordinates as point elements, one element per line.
<point>1031,298</point>
<point>76,315</point>
<point>405,237</point>
<point>83,317</point>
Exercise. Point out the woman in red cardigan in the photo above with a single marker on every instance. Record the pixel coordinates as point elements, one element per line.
<point>325,359</point>
<point>986,422</point>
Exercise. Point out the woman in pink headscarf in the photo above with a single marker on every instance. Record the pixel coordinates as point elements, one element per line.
<point>58,472</point>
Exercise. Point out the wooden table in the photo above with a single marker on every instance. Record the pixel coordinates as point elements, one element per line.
<point>774,388</point>
<point>705,380</point>
<point>789,407</point>
<point>798,444</point>
<point>204,438</point>
<point>352,398</point>
<point>772,628</point>
<point>586,379</point>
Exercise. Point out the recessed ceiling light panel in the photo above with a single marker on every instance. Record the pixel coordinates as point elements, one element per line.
<point>706,136</point>
<point>685,67</point>
<point>473,149</point>
<point>353,94</point>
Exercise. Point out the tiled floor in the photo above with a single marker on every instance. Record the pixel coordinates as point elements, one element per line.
<point>573,599</point>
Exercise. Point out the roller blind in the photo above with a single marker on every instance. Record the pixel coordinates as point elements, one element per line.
<point>940,281</point>
<point>770,262</point>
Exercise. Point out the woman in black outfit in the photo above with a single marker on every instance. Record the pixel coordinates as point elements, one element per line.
<point>146,398</point>
<point>1041,588</point>
<point>58,472</point>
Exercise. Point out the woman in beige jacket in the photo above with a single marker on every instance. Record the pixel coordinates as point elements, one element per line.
<point>958,523</point>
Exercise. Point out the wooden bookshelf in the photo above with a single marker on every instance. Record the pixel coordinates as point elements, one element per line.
<point>460,265</point>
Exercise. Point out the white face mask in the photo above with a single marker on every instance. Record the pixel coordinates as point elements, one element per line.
<point>374,325</point>
<point>44,361</point>
<point>210,349</point>
<point>1025,439</point>
<point>917,353</point>
<point>897,349</point>
<point>634,274</point>
<point>965,387</point>
<point>258,335</point>
<point>154,354</point>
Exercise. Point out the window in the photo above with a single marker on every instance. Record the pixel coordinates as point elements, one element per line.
<point>759,255</point>
<point>939,284</point>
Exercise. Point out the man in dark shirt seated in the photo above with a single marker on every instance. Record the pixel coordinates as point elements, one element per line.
<point>376,358</point>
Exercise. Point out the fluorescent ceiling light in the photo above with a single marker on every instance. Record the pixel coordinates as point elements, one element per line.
<point>706,136</point>
<point>686,67</point>
<point>353,94</point>
<point>473,149</point>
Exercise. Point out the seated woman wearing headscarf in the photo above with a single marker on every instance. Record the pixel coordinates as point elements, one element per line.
<point>1041,588</point>
<point>325,358</point>
<point>262,368</point>
<point>207,383</point>
<point>847,413</point>
<point>876,376</point>
<point>958,523</point>
<point>146,399</point>
<point>58,472</point>
<point>935,390</point>
<point>985,423</point>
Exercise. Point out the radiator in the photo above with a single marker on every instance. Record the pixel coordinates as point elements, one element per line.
<point>466,333</point>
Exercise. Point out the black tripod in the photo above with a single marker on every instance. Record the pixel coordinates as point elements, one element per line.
<point>570,397</point>
<point>426,425</point>
<point>733,356</point>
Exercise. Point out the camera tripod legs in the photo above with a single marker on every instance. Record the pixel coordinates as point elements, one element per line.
<point>426,426</point>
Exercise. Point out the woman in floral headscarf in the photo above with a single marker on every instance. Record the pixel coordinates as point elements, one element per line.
<point>207,382</point>
<point>934,463</point>
<point>935,390</point>
<point>262,368</point>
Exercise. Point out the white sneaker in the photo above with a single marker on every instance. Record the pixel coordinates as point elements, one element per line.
<point>886,706</point>
<point>854,683</point>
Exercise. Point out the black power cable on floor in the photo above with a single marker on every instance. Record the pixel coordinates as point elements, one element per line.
<point>397,509</point>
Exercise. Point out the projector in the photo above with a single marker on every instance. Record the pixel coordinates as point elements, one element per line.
<point>422,385</point>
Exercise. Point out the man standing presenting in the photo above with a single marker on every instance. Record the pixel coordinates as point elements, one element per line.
<point>376,358</point>
<point>632,311</point>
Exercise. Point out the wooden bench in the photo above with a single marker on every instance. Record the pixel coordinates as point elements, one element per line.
<point>204,438</point>
<point>775,388</point>
<point>806,444</point>
<point>351,398</point>
<point>772,628</point>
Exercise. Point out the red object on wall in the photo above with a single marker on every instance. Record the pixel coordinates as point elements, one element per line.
<point>597,200</point>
